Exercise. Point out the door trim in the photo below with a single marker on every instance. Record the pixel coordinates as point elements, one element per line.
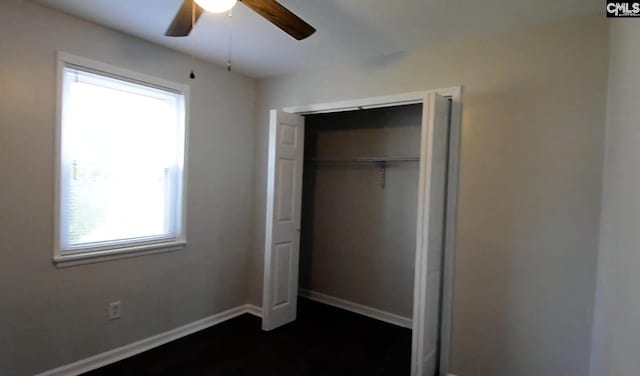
<point>454,93</point>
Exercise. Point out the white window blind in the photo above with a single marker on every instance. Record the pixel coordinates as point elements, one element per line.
<point>121,163</point>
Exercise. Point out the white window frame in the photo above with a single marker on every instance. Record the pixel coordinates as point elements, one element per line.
<point>124,249</point>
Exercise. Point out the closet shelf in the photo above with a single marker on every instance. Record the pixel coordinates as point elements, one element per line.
<point>365,160</point>
<point>380,162</point>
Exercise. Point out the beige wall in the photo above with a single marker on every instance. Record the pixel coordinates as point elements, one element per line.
<point>616,335</point>
<point>359,239</point>
<point>50,317</point>
<point>531,170</point>
<point>528,211</point>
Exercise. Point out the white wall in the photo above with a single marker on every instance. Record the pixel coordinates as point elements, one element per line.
<point>50,317</point>
<point>616,335</point>
<point>531,170</point>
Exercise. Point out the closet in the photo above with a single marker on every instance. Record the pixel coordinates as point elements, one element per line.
<point>360,214</point>
<point>359,209</point>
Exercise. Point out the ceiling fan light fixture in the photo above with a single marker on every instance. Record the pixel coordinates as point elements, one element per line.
<point>191,10</point>
<point>216,6</point>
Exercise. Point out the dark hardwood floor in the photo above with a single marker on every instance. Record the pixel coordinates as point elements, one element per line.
<point>323,341</point>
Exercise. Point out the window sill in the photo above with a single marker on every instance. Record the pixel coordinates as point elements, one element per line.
<point>63,261</point>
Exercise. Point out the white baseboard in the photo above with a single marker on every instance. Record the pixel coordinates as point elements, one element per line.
<point>126,351</point>
<point>390,318</point>
<point>254,310</point>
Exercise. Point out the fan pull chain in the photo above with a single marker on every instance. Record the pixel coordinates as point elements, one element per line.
<point>192,75</point>
<point>230,39</point>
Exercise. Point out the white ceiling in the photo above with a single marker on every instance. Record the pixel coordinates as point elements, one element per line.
<point>349,31</point>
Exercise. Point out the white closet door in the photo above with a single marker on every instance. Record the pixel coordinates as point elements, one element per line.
<point>282,238</point>
<point>430,235</point>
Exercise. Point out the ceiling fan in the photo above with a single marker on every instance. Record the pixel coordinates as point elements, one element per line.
<point>274,12</point>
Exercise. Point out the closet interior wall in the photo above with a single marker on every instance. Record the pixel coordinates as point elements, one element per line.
<point>358,236</point>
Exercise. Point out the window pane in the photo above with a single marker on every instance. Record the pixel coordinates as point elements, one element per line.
<point>121,160</point>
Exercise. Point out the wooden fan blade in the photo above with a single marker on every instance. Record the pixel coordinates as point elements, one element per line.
<point>184,20</point>
<point>281,17</point>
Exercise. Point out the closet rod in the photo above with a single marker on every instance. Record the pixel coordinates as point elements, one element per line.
<point>381,162</point>
<point>366,159</point>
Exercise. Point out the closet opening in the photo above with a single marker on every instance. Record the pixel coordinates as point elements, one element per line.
<point>360,222</point>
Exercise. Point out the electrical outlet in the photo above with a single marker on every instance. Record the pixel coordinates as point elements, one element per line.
<point>115,309</point>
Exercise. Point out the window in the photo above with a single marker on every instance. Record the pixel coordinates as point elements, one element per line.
<point>121,162</point>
